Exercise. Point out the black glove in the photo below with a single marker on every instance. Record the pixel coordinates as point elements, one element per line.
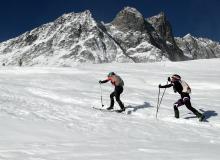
<point>159,86</point>
<point>100,81</point>
<point>169,79</point>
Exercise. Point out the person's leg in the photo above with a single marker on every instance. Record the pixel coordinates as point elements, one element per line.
<point>187,102</point>
<point>111,100</point>
<point>118,91</point>
<point>175,107</point>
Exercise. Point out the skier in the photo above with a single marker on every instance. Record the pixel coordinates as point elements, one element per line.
<point>118,83</point>
<point>184,90</point>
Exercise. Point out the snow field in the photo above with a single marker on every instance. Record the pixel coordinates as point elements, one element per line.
<point>46,113</point>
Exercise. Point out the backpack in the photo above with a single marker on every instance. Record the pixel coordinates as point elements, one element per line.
<point>186,87</point>
<point>120,81</point>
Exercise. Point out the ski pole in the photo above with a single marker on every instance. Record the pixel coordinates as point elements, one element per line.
<point>158,100</point>
<point>162,97</point>
<point>101,95</point>
<point>158,105</point>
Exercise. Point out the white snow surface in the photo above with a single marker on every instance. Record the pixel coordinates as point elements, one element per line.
<point>46,113</point>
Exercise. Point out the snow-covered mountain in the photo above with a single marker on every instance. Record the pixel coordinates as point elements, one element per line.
<point>78,37</point>
<point>46,113</point>
<point>198,48</point>
<point>73,37</point>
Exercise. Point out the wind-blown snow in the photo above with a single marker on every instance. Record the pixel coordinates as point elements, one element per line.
<point>46,113</point>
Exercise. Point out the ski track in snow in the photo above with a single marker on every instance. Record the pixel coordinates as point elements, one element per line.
<point>46,113</point>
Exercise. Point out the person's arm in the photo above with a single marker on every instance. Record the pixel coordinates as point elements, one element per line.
<point>104,81</point>
<point>166,86</point>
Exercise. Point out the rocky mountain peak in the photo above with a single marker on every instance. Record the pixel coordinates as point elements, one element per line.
<point>72,17</point>
<point>158,19</point>
<point>188,36</point>
<point>132,10</point>
<point>163,27</point>
<point>129,19</point>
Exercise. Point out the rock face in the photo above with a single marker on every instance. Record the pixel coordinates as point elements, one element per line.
<point>129,19</point>
<point>78,38</point>
<point>140,40</point>
<point>163,28</point>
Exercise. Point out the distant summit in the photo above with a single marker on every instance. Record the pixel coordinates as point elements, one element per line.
<point>198,48</point>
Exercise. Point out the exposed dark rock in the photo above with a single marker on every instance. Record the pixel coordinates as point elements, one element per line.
<point>129,19</point>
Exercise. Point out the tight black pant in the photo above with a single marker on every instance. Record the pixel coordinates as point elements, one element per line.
<point>118,90</point>
<point>185,101</point>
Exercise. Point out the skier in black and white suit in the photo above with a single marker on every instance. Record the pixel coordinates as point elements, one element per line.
<point>183,89</point>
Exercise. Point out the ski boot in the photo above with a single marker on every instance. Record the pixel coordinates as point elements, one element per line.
<point>109,108</point>
<point>201,118</point>
<point>176,112</point>
<point>121,110</point>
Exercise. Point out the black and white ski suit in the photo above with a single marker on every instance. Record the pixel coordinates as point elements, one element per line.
<point>184,100</point>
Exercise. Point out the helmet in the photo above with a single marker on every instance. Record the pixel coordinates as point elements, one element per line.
<point>110,74</point>
<point>176,77</point>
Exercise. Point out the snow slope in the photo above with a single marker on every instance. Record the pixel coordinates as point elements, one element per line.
<point>46,113</point>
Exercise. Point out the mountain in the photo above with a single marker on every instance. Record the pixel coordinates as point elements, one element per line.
<point>78,38</point>
<point>71,38</point>
<point>198,48</point>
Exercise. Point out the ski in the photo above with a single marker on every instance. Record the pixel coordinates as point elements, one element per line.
<point>105,110</point>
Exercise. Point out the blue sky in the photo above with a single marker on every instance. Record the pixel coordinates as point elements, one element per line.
<point>198,17</point>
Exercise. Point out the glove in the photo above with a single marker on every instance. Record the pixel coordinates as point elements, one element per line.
<point>100,81</point>
<point>169,79</point>
<point>159,86</point>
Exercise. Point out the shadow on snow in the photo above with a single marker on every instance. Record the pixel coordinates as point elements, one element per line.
<point>138,107</point>
<point>207,114</point>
